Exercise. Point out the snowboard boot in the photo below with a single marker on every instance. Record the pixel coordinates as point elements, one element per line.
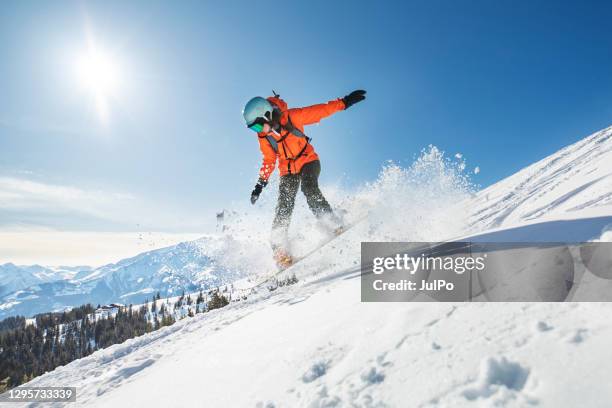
<point>331,224</point>
<point>282,258</point>
<point>339,230</point>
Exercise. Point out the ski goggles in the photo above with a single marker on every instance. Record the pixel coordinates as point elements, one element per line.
<point>258,124</point>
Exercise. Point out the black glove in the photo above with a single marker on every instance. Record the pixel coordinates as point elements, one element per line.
<point>257,190</point>
<point>353,98</point>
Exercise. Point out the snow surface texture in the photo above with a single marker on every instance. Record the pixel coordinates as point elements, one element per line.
<point>315,344</point>
<point>573,184</point>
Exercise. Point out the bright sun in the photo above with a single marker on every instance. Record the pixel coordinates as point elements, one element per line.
<point>98,73</point>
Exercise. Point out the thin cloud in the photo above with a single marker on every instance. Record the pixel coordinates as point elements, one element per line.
<point>54,224</point>
<point>25,202</point>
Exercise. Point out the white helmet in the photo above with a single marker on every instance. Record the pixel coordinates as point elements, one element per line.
<point>257,108</point>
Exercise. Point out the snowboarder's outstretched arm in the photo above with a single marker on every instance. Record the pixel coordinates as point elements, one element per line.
<point>313,114</point>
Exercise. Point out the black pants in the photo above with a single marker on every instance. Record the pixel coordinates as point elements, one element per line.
<point>288,187</point>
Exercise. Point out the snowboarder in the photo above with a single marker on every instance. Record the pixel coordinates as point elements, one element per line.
<point>280,131</point>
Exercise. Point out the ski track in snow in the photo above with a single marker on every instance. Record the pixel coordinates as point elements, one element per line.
<point>575,178</point>
<point>315,344</point>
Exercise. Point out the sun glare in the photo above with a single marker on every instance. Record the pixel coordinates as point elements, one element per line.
<point>98,73</point>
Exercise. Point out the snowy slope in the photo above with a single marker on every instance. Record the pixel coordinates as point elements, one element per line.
<point>316,344</point>
<point>319,345</point>
<point>573,183</point>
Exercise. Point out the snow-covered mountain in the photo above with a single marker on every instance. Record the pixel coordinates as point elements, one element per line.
<point>187,266</point>
<point>14,278</point>
<point>315,344</point>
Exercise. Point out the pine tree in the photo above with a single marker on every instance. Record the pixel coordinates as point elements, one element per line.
<point>217,301</point>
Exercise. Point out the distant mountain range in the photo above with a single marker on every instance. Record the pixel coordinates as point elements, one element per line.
<point>28,290</point>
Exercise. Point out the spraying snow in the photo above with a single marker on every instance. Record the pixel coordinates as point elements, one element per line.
<point>414,203</point>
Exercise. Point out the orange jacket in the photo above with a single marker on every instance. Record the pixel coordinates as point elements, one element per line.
<point>292,151</point>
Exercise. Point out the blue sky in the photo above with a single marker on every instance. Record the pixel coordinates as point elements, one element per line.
<point>503,82</point>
